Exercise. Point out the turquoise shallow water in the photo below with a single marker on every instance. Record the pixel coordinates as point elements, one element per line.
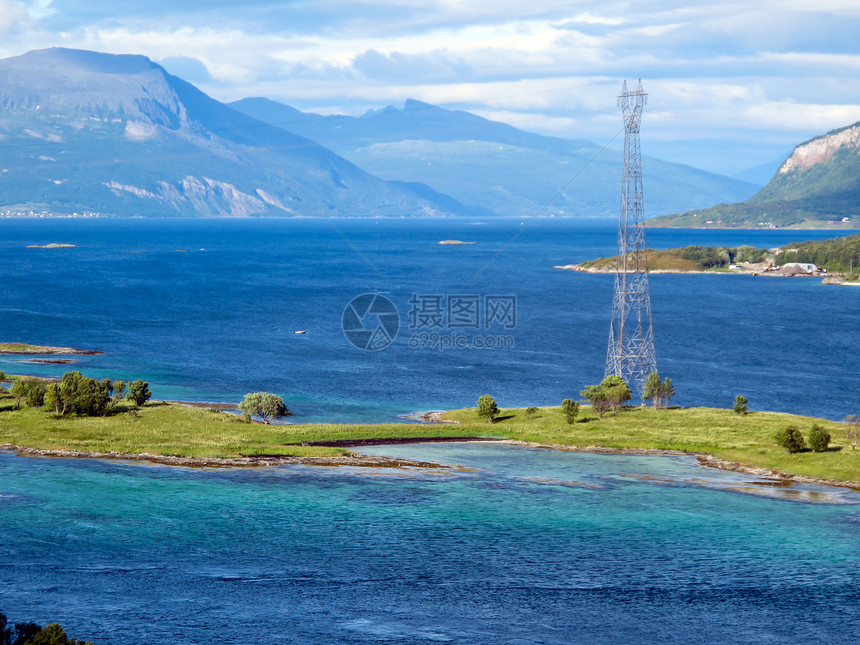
<point>524,546</point>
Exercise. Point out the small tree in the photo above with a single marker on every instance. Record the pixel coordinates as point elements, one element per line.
<point>19,391</point>
<point>531,411</point>
<point>596,396</point>
<point>790,439</point>
<point>487,408</point>
<point>118,391</point>
<point>138,391</point>
<point>54,399</point>
<point>265,405</point>
<point>819,438</point>
<point>570,409</point>
<point>616,391</point>
<point>668,391</point>
<point>654,389</point>
<point>2,376</point>
<point>740,406</point>
<point>852,430</point>
<point>36,394</point>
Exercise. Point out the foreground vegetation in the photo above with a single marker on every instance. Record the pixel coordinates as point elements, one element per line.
<point>174,429</point>
<point>32,634</point>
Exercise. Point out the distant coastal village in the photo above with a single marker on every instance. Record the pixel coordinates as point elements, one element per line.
<point>47,214</point>
<point>832,260</point>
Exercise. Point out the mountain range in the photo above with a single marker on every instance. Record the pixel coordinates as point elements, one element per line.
<point>118,135</point>
<point>96,133</point>
<point>817,184</point>
<point>486,164</point>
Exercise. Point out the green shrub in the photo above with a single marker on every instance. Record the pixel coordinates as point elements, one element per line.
<point>265,405</point>
<point>36,395</point>
<point>138,392</point>
<point>570,409</point>
<point>819,438</point>
<point>740,406</point>
<point>487,408</point>
<point>530,412</point>
<point>790,439</point>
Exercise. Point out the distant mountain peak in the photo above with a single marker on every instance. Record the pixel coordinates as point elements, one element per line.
<point>83,59</point>
<point>819,182</point>
<point>415,104</point>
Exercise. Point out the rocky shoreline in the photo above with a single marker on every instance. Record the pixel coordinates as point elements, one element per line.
<point>353,459</point>
<point>705,459</point>
<point>374,461</point>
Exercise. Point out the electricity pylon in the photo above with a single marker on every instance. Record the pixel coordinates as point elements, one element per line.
<point>631,352</point>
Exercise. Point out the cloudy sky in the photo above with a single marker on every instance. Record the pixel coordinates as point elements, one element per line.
<point>731,84</point>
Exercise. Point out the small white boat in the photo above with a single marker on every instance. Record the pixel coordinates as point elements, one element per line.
<point>300,331</point>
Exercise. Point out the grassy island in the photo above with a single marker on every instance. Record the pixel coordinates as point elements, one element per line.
<point>26,348</point>
<point>691,259</point>
<point>840,256</point>
<point>181,430</point>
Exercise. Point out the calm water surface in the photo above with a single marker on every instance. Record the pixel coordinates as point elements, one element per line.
<point>526,546</point>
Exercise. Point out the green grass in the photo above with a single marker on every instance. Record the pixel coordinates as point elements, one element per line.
<point>173,429</point>
<point>26,348</point>
<point>747,439</point>
<point>20,347</point>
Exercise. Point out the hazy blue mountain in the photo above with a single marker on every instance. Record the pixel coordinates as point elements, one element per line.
<point>492,165</point>
<point>761,174</point>
<point>84,131</point>
<point>818,183</point>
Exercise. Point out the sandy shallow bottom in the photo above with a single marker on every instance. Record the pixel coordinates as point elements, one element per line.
<point>357,459</point>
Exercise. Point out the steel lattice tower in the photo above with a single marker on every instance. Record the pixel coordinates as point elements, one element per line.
<point>631,352</point>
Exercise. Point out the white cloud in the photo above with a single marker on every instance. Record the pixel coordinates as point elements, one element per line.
<point>12,16</point>
<point>775,70</point>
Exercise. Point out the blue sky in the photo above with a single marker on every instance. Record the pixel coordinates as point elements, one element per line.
<point>731,84</point>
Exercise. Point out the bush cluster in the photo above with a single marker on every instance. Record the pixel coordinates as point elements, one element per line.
<point>32,634</point>
<point>659,391</point>
<point>78,394</point>
<point>838,254</point>
<point>611,394</point>
<point>792,440</point>
<point>711,257</point>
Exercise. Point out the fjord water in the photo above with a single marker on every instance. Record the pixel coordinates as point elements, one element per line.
<point>207,310</point>
<point>530,546</point>
<point>524,546</point>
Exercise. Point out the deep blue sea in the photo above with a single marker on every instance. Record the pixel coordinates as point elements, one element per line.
<point>207,310</point>
<point>527,546</point>
<point>524,546</point>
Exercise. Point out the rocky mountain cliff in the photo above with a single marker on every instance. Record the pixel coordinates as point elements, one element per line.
<point>87,132</point>
<point>818,183</point>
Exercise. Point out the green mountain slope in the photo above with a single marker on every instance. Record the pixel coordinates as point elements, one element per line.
<point>818,183</point>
